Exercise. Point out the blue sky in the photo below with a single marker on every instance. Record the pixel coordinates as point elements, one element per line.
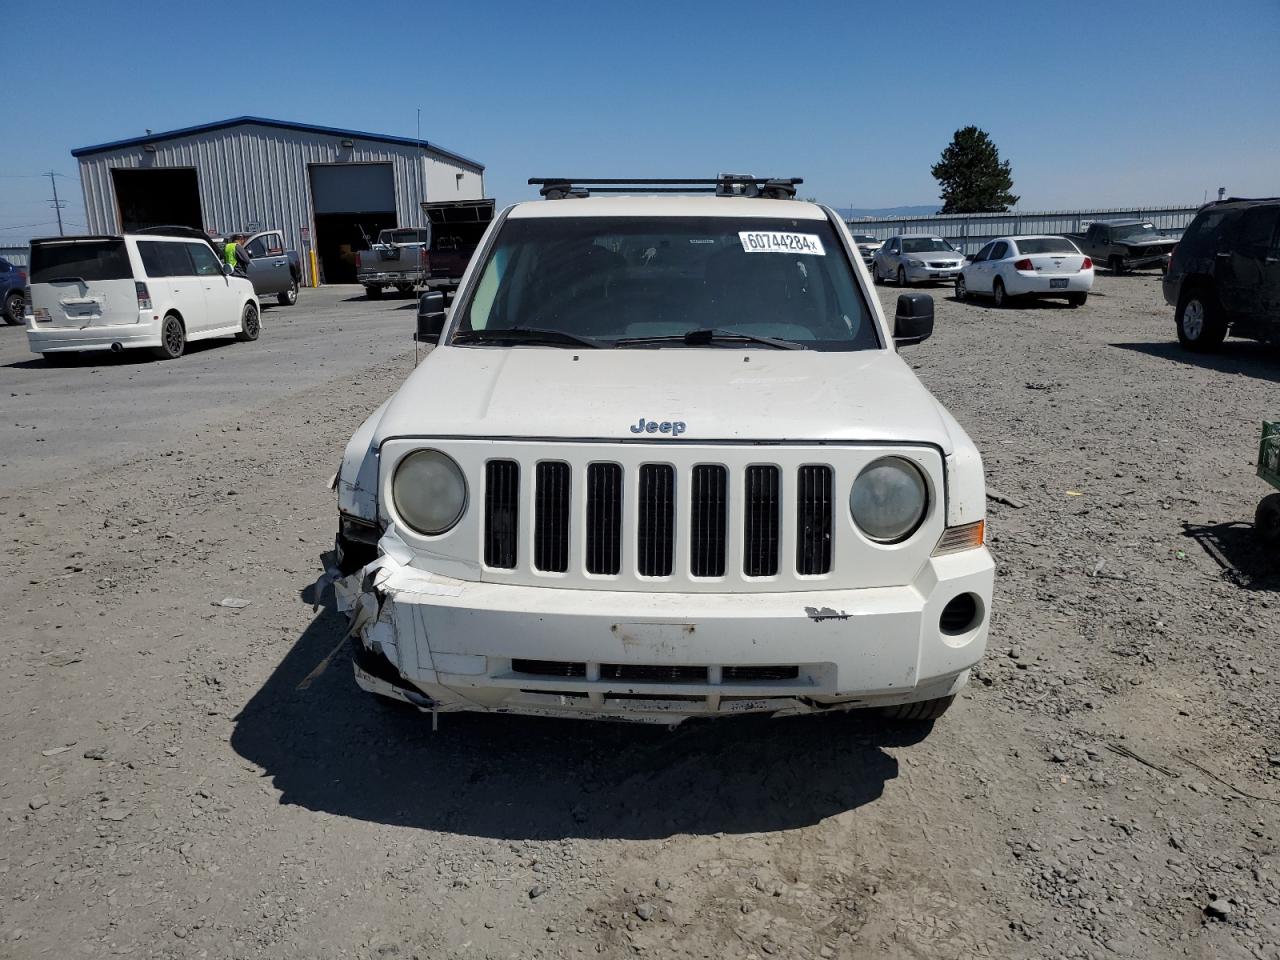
<point>1094,104</point>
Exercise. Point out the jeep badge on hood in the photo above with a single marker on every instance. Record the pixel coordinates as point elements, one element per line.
<point>673,427</point>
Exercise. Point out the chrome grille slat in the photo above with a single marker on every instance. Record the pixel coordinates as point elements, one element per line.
<point>604,519</point>
<point>760,547</point>
<point>551,517</point>
<point>656,524</point>
<point>501,513</point>
<point>709,508</point>
<point>813,520</point>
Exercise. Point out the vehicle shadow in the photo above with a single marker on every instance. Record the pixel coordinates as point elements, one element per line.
<point>986,303</point>
<point>1236,548</point>
<point>332,748</point>
<point>105,358</point>
<point>1244,357</point>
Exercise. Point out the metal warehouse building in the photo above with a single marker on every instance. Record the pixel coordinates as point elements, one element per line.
<point>325,188</point>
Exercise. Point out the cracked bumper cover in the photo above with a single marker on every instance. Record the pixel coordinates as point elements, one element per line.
<point>448,645</point>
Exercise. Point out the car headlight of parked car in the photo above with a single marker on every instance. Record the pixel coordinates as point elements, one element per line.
<point>888,500</point>
<point>915,263</point>
<point>430,491</point>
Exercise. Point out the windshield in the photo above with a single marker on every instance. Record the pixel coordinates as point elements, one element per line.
<point>1046,245</point>
<point>86,259</point>
<point>864,238</point>
<point>926,245</point>
<point>612,279</point>
<point>1134,230</point>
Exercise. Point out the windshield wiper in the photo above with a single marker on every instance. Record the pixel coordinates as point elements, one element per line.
<point>706,337</point>
<point>526,335</point>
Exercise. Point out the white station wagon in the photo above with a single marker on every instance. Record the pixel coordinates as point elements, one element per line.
<point>665,462</point>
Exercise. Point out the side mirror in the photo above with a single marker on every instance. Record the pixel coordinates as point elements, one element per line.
<point>914,320</point>
<point>430,317</point>
<point>228,269</point>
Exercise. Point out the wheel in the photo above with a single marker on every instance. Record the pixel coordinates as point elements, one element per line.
<point>1266,522</point>
<point>1199,321</point>
<point>920,711</point>
<point>1116,265</point>
<point>290,296</point>
<point>373,293</point>
<point>997,291</point>
<point>962,290</point>
<point>902,277</point>
<point>875,275</point>
<point>250,324</point>
<point>404,289</point>
<point>1077,299</point>
<point>173,339</point>
<point>13,308</point>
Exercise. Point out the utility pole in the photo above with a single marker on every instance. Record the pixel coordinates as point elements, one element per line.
<point>55,202</point>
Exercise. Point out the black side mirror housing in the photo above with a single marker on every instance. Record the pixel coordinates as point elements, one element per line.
<point>430,317</point>
<point>914,320</point>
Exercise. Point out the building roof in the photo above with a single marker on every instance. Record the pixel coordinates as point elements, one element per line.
<point>278,124</point>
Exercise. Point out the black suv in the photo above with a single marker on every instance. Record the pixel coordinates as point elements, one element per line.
<point>1225,274</point>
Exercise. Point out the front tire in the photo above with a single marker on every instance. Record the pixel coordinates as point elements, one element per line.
<point>373,293</point>
<point>1116,265</point>
<point>902,278</point>
<point>13,308</point>
<point>875,275</point>
<point>1199,320</point>
<point>250,324</point>
<point>1266,522</point>
<point>173,339</point>
<point>922,711</point>
<point>1077,299</point>
<point>962,289</point>
<point>290,296</point>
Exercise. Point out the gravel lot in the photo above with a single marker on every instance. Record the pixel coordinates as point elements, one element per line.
<point>179,779</point>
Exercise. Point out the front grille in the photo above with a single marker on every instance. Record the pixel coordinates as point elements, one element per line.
<point>943,264</point>
<point>550,668</point>
<point>760,547</point>
<point>604,518</point>
<point>643,673</point>
<point>708,508</point>
<point>655,538</point>
<point>813,520</point>
<point>756,674</point>
<point>551,517</point>
<point>501,513</point>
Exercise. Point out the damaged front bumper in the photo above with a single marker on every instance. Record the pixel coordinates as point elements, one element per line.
<point>447,645</point>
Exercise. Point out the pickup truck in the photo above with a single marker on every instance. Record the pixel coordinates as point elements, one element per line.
<point>397,259</point>
<point>1125,244</point>
<point>456,229</point>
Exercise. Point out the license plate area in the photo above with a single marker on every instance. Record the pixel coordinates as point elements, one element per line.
<point>1058,283</point>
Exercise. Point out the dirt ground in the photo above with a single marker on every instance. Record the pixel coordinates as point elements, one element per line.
<point>172,786</point>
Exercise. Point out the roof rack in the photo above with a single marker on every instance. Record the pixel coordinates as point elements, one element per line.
<point>725,185</point>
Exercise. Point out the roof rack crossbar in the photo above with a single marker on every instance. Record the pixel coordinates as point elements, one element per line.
<point>725,185</point>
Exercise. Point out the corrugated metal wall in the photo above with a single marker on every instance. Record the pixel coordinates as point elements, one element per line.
<point>258,175</point>
<point>15,255</point>
<point>969,231</point>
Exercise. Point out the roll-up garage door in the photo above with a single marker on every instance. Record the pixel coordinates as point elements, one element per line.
<point>350,201</point>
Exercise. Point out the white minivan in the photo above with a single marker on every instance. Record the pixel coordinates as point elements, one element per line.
<point>117,293</point>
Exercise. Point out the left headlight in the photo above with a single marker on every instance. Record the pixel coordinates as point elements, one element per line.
<point>889,499</point>
<point>430,491</point>
<point>915,263</point>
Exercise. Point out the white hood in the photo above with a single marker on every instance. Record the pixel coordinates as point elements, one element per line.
<point>719,394</point>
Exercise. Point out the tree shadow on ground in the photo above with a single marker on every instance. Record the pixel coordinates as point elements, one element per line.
<point>331,747</point>
<point>1244,357</point>
<point>1237,549</point>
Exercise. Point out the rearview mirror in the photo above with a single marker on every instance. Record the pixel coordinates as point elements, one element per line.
<point>430,317</point>
<point>914,320</point>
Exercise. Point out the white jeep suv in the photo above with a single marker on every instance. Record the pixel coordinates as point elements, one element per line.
<point>665,462</point>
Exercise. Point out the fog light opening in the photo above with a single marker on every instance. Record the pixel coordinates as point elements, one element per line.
<point>961,614</point>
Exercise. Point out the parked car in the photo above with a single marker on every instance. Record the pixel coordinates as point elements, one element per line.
<point>272,268</point>
<point>915,258</point>
<point>398,258</point>
<point>665,462</point>
<point>456,229</point>
<point>1011,268</point>
<point>133,291</point>
<point>1224,276</point>
<point>1125,244</point>
<point>13,282</point>
<point>867,246</point>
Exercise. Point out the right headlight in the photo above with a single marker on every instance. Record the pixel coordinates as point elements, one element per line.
<point>889,499</point>
<point>430,491</point>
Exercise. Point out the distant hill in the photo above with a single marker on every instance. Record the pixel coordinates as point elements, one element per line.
<point>919,210</point>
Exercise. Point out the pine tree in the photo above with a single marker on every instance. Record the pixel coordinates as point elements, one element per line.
<point>973,177</point>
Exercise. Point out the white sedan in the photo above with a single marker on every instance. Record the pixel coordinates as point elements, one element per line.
<point>1010,267</point>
